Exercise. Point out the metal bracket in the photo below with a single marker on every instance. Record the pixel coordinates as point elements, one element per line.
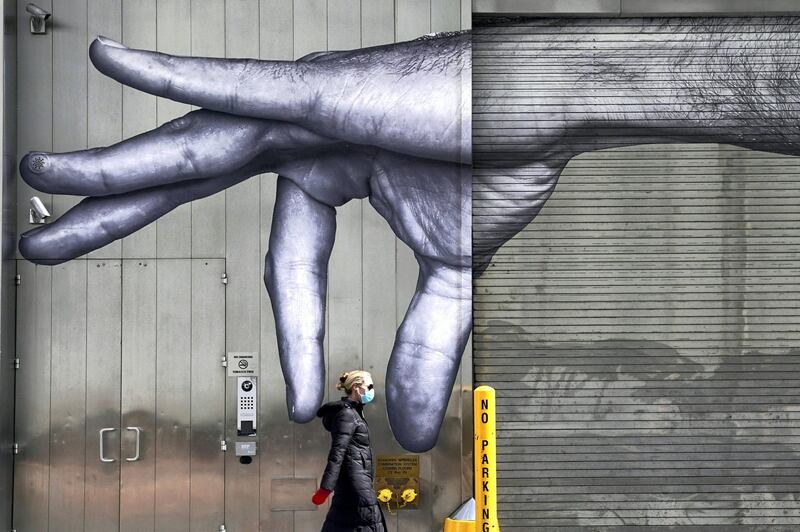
<point>18,279</point>
<point>15,448</point>
<point>224,278</point>
<point>225,361</point>
<point>16,363</point>
<point>223,445</point>
<point>222,528</point>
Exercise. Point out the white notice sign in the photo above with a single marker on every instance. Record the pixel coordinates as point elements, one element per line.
<point>242,364</point>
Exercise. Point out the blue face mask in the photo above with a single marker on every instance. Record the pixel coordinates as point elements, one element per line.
<point>368,396</point>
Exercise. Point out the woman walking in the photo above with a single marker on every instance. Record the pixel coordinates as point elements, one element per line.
<point>348,475</point>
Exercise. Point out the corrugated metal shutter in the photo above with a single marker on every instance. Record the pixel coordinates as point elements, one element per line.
<point>643,333</point>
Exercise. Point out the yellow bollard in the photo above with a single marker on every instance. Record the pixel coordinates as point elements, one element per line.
<point>453,525</point>
<point>485,460</point>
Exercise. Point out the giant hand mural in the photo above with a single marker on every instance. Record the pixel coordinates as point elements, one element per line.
<point>389,123</point>
<point>392,123</point>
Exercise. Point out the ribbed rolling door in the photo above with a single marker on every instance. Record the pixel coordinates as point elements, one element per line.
<point>643,332</point>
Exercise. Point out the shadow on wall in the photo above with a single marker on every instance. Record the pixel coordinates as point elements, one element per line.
<point>639,433</point>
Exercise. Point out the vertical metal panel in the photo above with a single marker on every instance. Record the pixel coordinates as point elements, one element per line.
<point>137,485</point>
<point>379,328</point>
<point>139,113</point>
<point>467,465</point>
<point>446,15</point>
<point>378,267</point>
<point>34,103</point>
<point>310,27</point>
<point>467,490</point>
<point>69,80</point>
<point>173,393</point>
<point>7,371</point>
<point>32,418</point>
<point>446,462</point>
<point>104,97</point>
<point>173,35</point>
<point>646,363</point>
<point>243,297</point>
<point>207,461</point>
<point>277,438</point>
<point>208,214</point>
<point>68,381</point>
<point>412,19</point>
<point>345,313</point>
<point>377,24</point>
<point>310,441</point>
<point>8,51</point>
<point>345,266</point>
<point>342,26</point>
<point>103,378</point>
<point>68,393</point>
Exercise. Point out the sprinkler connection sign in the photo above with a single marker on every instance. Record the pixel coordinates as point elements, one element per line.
<point>398,472</point>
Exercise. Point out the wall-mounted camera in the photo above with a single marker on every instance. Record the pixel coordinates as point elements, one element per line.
<point>38,213</point>
<point>38,18</point>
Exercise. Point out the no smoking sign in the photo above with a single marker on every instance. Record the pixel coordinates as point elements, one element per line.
<point>242,364</point>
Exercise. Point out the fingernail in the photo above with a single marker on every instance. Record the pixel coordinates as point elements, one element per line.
<point>37,162</point>
<point>110,42</point>
<point>27,234</point>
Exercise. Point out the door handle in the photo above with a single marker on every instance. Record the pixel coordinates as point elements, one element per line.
<point>138,432</point>
<point>102,451</point>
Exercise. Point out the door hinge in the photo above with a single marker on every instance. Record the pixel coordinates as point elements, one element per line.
<point>224,278</point>
<point>223,445</point>
<point>18,279</point>
<point>16,363</point>
<point>225,361</point>
<point>15,448</point>
<point>222,528</point>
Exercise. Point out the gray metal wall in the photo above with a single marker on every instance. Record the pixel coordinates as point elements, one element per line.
<point>7,267</point>
<point>64,104</point>
<point>642,333</point>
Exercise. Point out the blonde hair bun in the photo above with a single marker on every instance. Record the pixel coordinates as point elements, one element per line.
<point>348,379</point>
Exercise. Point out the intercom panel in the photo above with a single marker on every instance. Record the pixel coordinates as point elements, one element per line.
<point>247,406</point>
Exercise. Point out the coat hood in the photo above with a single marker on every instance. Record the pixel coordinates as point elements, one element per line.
<point>328,411</point>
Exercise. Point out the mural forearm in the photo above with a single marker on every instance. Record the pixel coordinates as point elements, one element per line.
<point>723,80</point>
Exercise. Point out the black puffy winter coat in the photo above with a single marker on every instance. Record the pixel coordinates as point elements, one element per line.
<point>349,472</point>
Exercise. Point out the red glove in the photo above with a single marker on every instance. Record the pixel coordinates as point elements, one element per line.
<point>320,496</point>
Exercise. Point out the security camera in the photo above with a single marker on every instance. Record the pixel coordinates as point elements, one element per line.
<point>39,213</point>
<point>38,18</point>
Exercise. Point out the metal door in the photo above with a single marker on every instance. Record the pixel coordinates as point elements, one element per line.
<point>120,396</point>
